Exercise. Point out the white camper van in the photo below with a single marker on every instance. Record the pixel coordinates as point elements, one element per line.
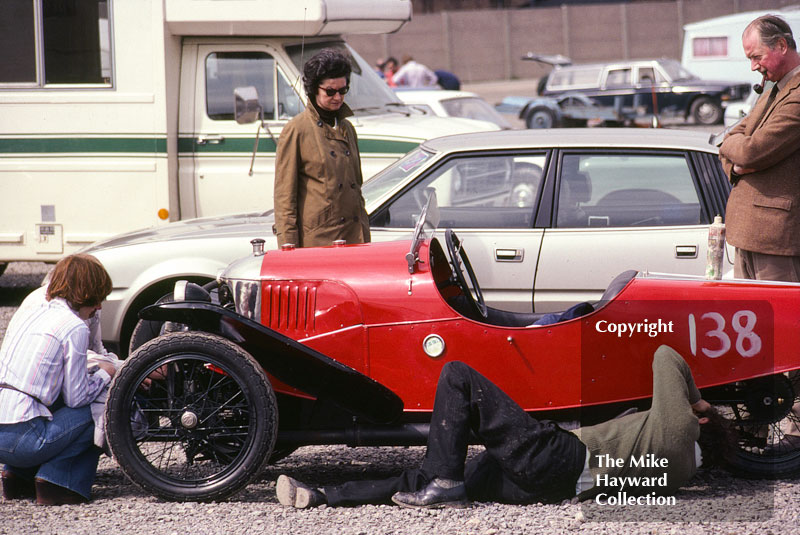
<point>712,49</point>
<point>119,114</point>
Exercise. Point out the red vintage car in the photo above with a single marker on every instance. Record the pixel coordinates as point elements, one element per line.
<point>344,345</point>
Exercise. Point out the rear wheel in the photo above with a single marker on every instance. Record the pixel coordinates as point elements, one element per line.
<point>540,118</point>
<point>191,416</point>
<point>706,111</point>
<point>761,412</point>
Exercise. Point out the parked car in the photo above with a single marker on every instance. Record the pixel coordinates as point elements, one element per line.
<point>550,217</point>
<point>735,111</point>
<point>344,344</point>
<point>444,103</point>
<point>628,89</point>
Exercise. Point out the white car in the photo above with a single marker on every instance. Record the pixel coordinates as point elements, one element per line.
<point>736,110</point>
<point>445,103</point>
<point>550,217</point>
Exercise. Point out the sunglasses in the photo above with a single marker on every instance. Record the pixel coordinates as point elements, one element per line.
<point>330,91</point>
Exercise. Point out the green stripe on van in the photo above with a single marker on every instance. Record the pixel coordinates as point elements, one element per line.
<point>82,144</point>
<point>365,146</point>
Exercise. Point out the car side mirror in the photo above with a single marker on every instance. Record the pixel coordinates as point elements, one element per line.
<point>246,107</point>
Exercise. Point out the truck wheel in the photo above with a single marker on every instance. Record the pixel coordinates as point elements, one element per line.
<point>706,111</point>
<point>191,416</point>
<point>540,118</point>
<point>764,406</point>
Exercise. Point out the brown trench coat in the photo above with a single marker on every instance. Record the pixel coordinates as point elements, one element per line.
<point>763,211</point>
<point>318,182</point>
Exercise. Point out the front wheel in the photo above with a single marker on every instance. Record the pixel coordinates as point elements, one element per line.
<point>191,416</point>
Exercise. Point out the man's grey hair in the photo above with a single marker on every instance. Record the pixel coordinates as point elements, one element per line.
<point>771,29</point>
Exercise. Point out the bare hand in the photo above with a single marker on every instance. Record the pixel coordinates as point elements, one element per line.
<point>109,368</point>
<point>739,170</point>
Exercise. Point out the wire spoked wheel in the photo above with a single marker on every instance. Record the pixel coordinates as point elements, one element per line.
<point>763,416</point>
<point>191,416</point>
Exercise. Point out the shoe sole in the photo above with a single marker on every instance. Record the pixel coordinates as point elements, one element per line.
<point>439,505</point>
<point>286,490</point>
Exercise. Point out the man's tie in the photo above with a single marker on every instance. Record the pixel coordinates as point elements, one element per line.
<point>770,100</point>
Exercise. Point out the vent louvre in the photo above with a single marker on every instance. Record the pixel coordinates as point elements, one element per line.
<point>289,306</point>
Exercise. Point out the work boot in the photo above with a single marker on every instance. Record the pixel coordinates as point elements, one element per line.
<point>51,494</point>
<point>434,496</point>
<point>17,487</point>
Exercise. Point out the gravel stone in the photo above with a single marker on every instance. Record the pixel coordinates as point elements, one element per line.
<point>715,502</point>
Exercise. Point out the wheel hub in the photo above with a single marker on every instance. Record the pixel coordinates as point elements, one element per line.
<point>189,420</point>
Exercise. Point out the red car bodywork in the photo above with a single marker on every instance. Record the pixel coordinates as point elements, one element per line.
<point>360,306</point>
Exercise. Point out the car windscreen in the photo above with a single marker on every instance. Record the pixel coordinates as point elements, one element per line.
<point>675,70</point>
<point>385,181</point>
<point>473,108</point>
<point>368,93</point>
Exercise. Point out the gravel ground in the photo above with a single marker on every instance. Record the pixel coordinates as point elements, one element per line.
<point>714,503</point>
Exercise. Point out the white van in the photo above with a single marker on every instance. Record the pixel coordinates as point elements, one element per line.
<point>712,49</point>
<point>119,114</point>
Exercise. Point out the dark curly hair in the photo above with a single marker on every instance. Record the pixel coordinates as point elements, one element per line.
<point>718,439</point>
<point>327,63</point>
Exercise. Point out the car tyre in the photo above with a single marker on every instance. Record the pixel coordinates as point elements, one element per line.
<point>191,416</point>
<point>706,111</point>
<point>757,417</point>
<point>540,118</point>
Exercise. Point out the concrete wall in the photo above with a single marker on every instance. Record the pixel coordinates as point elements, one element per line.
<point>488,44</point>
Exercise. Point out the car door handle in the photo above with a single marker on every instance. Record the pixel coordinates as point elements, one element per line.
<point>211,139</point>
<point>685,251</point>
<point>509,255</point>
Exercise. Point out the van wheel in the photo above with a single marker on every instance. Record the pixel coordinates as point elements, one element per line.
<point>540,118</point>
<point>191,416</point>
<point>706,111</point>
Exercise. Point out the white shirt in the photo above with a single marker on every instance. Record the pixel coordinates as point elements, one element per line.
<point>413,74</point>
<point>43,356</point>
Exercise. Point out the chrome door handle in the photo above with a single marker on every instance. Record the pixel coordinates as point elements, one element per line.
<point>685,251</point>
<point>509,255</point>
<point>211,139</point>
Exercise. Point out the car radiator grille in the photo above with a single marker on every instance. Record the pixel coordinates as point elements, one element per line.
<point>289,307</point>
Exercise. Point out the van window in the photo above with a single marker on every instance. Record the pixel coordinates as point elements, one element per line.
<point>73,47</point>
<point>225,71</point>
<point>710,47</point>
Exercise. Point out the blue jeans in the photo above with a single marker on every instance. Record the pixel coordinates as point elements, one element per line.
<point>60,450</point>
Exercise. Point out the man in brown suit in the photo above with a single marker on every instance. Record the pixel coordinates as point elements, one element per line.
<point>762,157</point>
<point>318,167</point>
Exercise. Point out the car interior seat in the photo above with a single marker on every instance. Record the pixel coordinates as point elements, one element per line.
<point>576,188</point>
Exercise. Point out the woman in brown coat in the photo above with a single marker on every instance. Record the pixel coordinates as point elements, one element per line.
<point>318,166</point>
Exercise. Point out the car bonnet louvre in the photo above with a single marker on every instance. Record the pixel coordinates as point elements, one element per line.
<point>289,306</point>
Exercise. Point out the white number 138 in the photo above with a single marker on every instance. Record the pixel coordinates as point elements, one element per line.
<point>743,323</point>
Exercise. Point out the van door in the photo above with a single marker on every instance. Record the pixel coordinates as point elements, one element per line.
<point>220,148</point>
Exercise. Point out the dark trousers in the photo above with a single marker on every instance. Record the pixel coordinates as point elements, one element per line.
<point>526,460</point>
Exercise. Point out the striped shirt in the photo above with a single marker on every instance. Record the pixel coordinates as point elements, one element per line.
<point>43,356</point>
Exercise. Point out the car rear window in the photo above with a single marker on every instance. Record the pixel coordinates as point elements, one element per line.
<point>574,77</point>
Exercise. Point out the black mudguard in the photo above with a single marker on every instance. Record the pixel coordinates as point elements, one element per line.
<point>288,360</point>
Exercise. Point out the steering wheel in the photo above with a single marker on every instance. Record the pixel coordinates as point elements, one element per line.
<point>458,256</point>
